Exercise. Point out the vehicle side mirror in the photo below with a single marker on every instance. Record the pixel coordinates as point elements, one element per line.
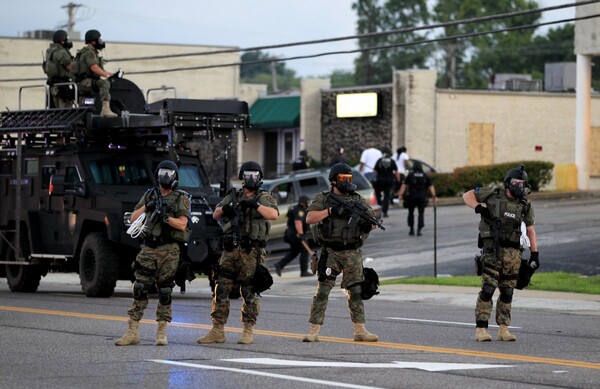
<point>57,185</point>
<point>81,189</point>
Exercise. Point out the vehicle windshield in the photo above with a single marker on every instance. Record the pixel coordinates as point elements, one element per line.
<point>119,172</point>
<point>189,177</point>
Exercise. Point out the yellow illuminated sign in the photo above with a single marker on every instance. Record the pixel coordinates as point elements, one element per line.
<point>356,105</point>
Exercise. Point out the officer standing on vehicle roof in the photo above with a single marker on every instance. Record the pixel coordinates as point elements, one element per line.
<point>295,235</point>
<point>91,68</point>
<point>60,68</point>
<point>341,240</point>
<point>157,261</point>
<point>500,236</point>
<point>251,217</point>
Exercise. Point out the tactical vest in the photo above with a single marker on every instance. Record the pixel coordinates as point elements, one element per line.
<point>52,68</point>
<point>385,169</point>
<point>254,226</point>
<point>418,182</point>
<point>88,73</point>
<point>508,215</point>
<point>334,230</point>
<point>164,233</point>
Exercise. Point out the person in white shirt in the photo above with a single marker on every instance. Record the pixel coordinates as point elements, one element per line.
<point>368,159</point>
<point>401,158</point>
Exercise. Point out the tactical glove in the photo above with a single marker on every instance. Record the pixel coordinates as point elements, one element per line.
<point>534,260</point>
<point>165,218</point>
<point>151,205</point>
<point>483,211</point>
<point>248,204</point>
<point>228,211</point>
<point>341,211</point>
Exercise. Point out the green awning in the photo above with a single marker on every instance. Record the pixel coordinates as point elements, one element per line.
<point>275,112</point>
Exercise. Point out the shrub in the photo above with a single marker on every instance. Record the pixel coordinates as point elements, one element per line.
<point>462,179</point>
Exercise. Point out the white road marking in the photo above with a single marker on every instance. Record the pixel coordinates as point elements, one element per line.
<point>427,366</point>
<point>264,374</point>
<point>441,321</point>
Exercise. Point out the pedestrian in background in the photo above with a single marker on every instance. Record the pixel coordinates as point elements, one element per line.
<point>368,159</point>
<point>387,172</point>
<point>500,238</point>
<point>416,185</point>
<point>295,235</point>
<point>401,158</point>
<point>302,162</point>
<point>338,156</point>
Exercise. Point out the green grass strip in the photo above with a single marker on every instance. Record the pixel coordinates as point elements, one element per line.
<point>558,282</point>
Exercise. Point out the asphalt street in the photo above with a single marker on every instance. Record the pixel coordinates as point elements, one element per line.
<point>58,338</point>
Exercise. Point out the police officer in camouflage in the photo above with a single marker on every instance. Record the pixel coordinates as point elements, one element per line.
<point>341,240</point>
<point>250,216</point>
<point>91,68</point>
<point>166,214</point>
<point>502,210</point>
<point>60,68</point>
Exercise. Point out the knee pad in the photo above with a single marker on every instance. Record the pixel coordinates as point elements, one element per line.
<point>487,291</point>
<point>506,295</point>
<point>355,292</point>
<point>164,295</point>
<point>140,290</point>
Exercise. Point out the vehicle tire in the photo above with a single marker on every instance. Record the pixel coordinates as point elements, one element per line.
<point>98,266</point>
<point>21,278</point>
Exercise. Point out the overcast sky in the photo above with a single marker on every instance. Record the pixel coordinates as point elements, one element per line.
<point>241,23</point>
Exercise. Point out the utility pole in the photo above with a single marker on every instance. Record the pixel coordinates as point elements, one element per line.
<point>274,76</point>
<point>71,8</point>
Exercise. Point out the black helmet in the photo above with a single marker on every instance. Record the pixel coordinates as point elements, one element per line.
<point>339,168</point>
<point>344,186</point>
<point>62,36</point>
<point>166,179</point>
<point>92,35</point>
<point>303,199</point>
<point>520,174</point>
<point>251,182</point>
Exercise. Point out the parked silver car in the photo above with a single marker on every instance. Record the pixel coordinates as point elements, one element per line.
<point>287,189</point>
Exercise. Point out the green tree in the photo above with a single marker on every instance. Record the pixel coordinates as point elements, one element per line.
<point>376,66</point>
<point>261,73</point>
<point>342,78</point>
<point>469,63</point>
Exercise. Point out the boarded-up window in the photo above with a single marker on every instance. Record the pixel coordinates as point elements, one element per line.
<point>595,151</point>
<point>481,144</point>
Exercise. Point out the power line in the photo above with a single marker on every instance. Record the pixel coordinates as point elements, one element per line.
<point>349,37</point>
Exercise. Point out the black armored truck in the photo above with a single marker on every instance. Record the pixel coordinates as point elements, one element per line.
<point>69,180</point>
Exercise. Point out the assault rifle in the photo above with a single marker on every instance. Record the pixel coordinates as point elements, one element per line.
<point>358,209</point>
<point>235,220</point>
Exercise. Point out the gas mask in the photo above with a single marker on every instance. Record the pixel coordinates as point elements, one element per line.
<point>517,188</point>
<point>166,178</point>
<point>100,44</point>
<point>252,180</point>
<point>68,44</point>
<point>344,183</point>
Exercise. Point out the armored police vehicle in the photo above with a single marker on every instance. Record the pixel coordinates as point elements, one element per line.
<point>70,178</point>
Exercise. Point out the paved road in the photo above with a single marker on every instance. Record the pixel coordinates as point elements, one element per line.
<point>568,233</point>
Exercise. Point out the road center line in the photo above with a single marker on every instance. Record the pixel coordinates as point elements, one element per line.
<point>389,345</point>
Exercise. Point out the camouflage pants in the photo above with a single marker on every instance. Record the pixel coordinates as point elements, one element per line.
<point>88,86</point>
<point>498,274</point>
<point>58,101</point>
<point>155,266</point>
<point>236,269</point>
<point>349,263</point>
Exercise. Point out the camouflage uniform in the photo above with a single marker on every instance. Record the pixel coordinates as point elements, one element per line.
<point>343,256</point>
<point>237,265</point>
<point>88,81</point>
<point>500,271</point>
<point>158,259</point>
<point>57,60</point>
